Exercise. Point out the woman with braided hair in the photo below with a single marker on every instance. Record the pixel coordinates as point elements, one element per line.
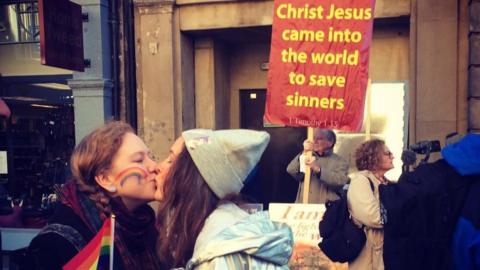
<point>112,174</point>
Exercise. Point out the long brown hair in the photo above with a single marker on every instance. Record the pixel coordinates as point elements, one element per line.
<point>94,156</point>
<point>187,203</point>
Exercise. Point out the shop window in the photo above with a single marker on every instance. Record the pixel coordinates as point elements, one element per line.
<point>37,140</point>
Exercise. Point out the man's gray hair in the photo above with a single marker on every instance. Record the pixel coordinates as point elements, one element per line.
<point>329,135</point>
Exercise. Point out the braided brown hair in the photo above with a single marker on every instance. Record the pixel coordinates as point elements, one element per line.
<point>93,156</point>
<point>367,154</point>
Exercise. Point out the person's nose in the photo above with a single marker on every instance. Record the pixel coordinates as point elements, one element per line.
<point>151,165</point>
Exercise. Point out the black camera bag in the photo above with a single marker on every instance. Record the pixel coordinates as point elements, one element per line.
<point>342,240</point>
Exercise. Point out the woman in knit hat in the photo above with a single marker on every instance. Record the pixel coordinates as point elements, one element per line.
<point>200,225</point>
<point>112,174</point>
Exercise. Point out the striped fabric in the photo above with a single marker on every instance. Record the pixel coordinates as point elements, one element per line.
<point>96,254</point>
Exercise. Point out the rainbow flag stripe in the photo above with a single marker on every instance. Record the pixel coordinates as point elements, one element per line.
<point>96,254</point>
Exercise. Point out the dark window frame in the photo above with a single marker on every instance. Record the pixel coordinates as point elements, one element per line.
<point>26,34</point>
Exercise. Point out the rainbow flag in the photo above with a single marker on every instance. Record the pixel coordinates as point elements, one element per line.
<point>98,253</point>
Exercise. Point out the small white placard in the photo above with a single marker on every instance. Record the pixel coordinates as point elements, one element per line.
<point>302,218</point>
<point>3,162</point>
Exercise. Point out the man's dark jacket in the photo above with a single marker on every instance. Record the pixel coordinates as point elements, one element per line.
<point>423,209</point>
<point>51,251</point>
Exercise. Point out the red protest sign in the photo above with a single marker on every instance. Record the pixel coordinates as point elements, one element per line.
<point>319,63</point>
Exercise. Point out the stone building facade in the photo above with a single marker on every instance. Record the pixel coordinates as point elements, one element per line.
<point>474,67</point>
<point>193,57</point>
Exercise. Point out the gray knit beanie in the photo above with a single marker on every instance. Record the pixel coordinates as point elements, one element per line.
<point>225,157</point>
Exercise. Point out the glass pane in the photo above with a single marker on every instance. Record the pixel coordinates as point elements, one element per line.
<point>19,23</point>
<point>37,139</point>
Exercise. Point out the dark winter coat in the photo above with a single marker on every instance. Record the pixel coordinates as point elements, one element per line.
<point>422,211</point>
<point>464,156</point>
<point>466,239</point>
<point>51,251</point>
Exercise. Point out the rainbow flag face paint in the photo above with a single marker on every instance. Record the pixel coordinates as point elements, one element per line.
<point>131,173</point>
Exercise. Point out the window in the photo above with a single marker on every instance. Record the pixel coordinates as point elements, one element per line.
<point>386,118</point>
<point>19,22</point>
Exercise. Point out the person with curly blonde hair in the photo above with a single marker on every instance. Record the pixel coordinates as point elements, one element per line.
<point>373,159</point>
<point>112,174</point>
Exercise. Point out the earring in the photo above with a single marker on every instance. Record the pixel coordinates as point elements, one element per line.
<point>111,188</point>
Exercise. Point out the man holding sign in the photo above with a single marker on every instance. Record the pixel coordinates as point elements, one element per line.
<point>317,78</point>
<point>328,170</point>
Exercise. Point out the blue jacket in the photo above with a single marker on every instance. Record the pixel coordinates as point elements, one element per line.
<point>464,157</point>
<point>233,239</point>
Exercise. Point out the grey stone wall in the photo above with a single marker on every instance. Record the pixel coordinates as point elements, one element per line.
<point>92,89</point>
<point>474,67</point>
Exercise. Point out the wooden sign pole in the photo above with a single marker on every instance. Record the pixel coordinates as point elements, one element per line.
<point>368,132</point>
<point>306,181</point>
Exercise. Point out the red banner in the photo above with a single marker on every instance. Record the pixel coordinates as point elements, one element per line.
<point>318,70</point>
